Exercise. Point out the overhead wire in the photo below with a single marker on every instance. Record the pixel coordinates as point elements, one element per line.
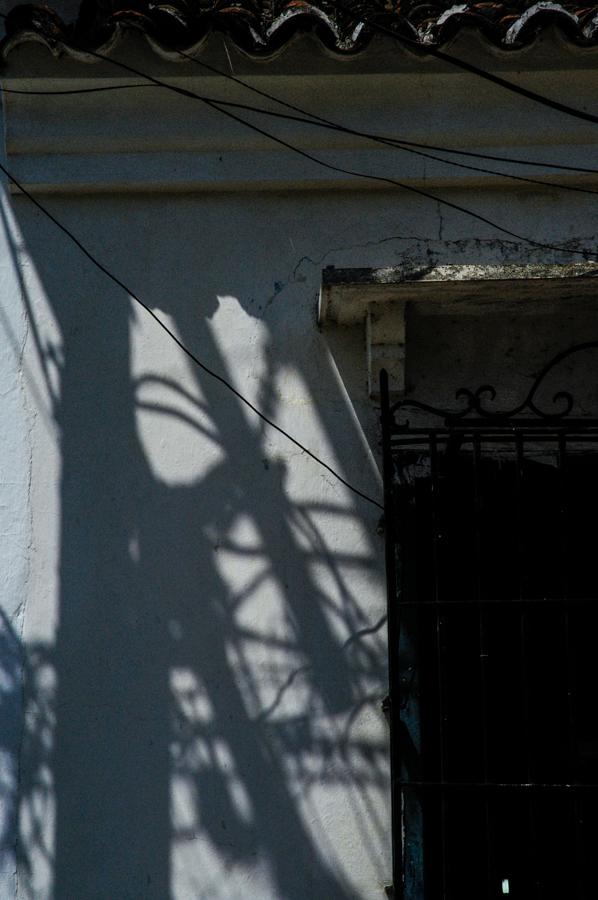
<point>72,91</point>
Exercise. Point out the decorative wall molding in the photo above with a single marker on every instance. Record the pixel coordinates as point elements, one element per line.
<point>150,139</point>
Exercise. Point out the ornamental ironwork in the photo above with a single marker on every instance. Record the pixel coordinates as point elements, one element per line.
<point>492,617</point>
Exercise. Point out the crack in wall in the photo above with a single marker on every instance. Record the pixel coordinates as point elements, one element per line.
<point>344,248</point>
<point>434,251</point>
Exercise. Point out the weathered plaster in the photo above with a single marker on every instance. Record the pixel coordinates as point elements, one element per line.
<point>205,614</point>
<point>15,529</point>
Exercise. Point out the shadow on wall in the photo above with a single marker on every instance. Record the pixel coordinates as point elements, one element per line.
<point>198,721</point>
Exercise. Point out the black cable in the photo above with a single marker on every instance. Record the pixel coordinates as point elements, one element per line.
<point>114,278</point>
<point>314,119</point>
<point>214,104</point>
<point>467,66</point>
<point>73,91</point>
<point>506,159</point>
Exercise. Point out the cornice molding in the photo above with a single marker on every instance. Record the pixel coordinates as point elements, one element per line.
<point>115,141</point>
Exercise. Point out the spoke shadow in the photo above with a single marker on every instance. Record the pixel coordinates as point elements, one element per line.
<point>206,719</point>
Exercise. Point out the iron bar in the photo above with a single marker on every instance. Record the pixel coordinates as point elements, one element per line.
<point>440,672</point>
<point>499,785</point>
<point>489,604</point>
<point>523,658</point>
<point>483,647</point>
<point>569,660</point>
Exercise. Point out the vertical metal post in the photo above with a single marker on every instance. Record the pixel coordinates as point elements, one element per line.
<point>439,623</point>
<point>571,774</point>
<point>483,645</point>
<point>526,702</point>
<point>393,627</point>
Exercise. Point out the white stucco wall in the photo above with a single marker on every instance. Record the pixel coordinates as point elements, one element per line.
<point>16,529</point>
<point>194,609</point>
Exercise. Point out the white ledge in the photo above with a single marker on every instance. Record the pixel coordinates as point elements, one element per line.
<point>378,298</point>
<point>346,294</point>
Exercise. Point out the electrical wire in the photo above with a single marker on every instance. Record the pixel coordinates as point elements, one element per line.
<point>189,353</point>
<point>216,105</point>
<point>467,66</point>
<point>73,91</point>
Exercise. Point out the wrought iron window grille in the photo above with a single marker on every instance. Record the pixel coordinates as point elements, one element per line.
<point>492,609</point>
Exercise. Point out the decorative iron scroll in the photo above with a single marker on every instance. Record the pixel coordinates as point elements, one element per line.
<point>476,401</point>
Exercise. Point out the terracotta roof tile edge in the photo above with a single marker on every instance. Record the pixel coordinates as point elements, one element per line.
<point>262,27</point>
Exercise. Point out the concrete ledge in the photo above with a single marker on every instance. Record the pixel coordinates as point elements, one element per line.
<point>346,294</point>
<point>378,299</point>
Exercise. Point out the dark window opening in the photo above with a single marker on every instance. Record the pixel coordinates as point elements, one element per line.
<point>495,715</point>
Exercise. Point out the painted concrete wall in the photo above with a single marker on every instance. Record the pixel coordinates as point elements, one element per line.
<point>194,610</point>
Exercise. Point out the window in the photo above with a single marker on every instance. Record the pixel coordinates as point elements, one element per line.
<point>493,582</point>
